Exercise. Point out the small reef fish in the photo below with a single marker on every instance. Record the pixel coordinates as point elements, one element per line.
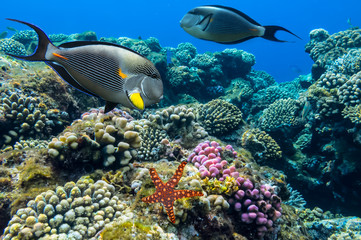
<point>3,34</point>
<point>226,25</point>
<point>112,72</point>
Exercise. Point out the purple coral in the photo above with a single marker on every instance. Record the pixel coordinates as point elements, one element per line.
<point>259,206</point>
<point>207,158</point>
<point>256,205</point>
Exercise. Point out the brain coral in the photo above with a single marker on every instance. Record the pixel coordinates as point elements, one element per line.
<point>219,116</point>
<point>76,211</point>
<point>12,47</point>
<point>281,113</point>
<point>262,146</point>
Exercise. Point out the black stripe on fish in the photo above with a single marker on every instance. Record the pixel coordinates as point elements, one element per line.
<point>147,70</point>
<point>99,69</point>
<point>237,12</point>
<point>68,78</point>
<point>206,18</point>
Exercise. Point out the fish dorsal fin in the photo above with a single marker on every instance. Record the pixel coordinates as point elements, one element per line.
<point>237,12</point>
<point>109,106</point>
<point>68,78</point>
<point>85,43</point>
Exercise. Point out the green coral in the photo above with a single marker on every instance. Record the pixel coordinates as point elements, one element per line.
<point>214,186</point>
<point>262,146</point>
<point>353,113</point>
<point>12,47</point>
<point>282,113</point>
<point>219,117</point>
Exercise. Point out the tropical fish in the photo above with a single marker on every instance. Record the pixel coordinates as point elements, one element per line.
<point>112,72</point>
<point>226,25</point>
<point>3,34</point>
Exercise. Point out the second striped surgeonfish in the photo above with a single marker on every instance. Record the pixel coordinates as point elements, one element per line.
<point>112,72</point>
<point>226,25</point>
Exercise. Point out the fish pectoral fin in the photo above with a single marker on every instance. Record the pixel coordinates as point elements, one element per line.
<point>136,100</point>
<point>109,106</point>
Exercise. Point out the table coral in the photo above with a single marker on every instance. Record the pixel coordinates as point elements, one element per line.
<point>219,117</point>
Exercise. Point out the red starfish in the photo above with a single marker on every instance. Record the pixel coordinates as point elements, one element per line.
<point>165,192</point>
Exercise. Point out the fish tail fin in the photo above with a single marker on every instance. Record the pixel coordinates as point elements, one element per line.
<point>270,32</point>
<point>44,43</point>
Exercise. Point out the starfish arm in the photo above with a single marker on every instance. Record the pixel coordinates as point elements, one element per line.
<point>155,178</point>
<point>178,194</point>
<point>152,198</point>
<point>168,205</point>
<point>173,181</point>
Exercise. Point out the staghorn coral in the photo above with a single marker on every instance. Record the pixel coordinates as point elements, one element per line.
<point>114,139</point>
<point>76,211</point>
<point>262,146</point>
<point>281,113</point>
<point>218,117</point>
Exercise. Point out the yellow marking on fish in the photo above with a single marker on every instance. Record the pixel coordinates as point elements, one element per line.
<point>137,100</point>
<point>121,74</point>
<point>253,29</point>
<point>211,20</point>
<point>60,56</point>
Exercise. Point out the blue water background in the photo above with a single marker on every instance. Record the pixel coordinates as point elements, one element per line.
<point>160,19</point>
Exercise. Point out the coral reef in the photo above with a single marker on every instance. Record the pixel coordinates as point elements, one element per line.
<point>262,146</point>
<point>114,141</point>
<point>76,211</point>
<point>219,117</point>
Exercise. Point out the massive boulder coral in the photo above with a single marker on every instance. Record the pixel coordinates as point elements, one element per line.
<point>219,117</point>
<point>97,139</point>
<point>179,121</point>
<point>23,116</point>
<point>324,49</point>
<point>262,146</point>
<point>280,114</point>
<point>151,146</point>
<point>12,47</point>
<point>235,63</point>
<point>75,211</point>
